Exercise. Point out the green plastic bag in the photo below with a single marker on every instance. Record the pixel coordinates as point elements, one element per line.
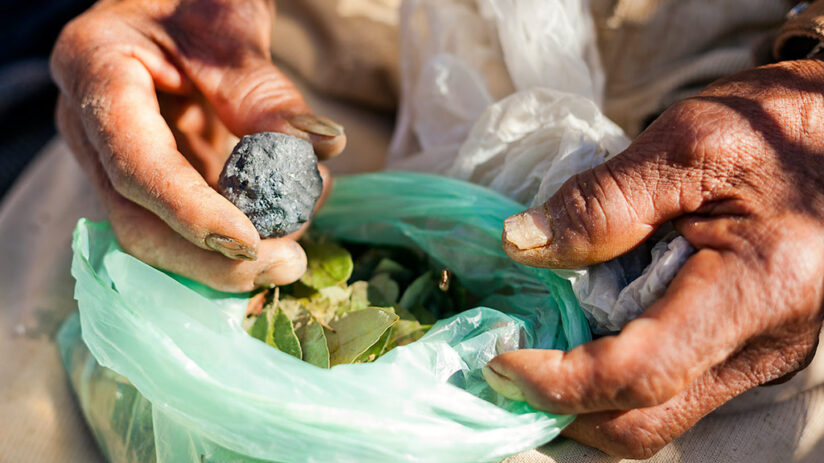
<point>216,394</point>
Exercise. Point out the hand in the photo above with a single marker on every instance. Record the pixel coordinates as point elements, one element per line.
<point>149,94</point>
<point>739,170</point>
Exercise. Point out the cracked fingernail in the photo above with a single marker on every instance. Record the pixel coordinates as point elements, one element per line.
<point>316,125</point>
<point>230,247</point>
<point>528,230</point>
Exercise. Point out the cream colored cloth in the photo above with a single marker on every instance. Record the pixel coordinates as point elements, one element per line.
<point>654,52</point>
<point>346,48</point>
<point>781,433</point>
<point>38,419</point>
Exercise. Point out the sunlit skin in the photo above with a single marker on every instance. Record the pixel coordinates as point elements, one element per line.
<point>739,171</point>
<point>150,92</point>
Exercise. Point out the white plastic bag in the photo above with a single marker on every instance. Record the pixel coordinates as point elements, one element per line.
<point>506,93</point>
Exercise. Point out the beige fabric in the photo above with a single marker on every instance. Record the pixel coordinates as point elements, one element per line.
<point>39,420</point>
<point>345,48</point>
<point>802,33</point>
<point>655,52</point>
<point>791,431</point>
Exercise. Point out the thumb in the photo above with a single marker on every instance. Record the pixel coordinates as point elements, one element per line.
<point>252,95</point>
<point>597,215</point>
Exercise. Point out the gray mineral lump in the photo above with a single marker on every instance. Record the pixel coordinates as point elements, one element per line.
<point>274,179</point>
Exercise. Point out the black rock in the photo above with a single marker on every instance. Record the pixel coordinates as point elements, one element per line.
<point>274,179</point>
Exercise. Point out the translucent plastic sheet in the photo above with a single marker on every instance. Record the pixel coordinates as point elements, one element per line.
<point>506,94</point>
<point>217,394</point>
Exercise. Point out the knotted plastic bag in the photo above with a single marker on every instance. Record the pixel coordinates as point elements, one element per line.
<point>216,394</point>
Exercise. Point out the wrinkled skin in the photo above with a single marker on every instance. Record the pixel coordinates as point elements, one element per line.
<point>739,170</point>
<point>150,92</point>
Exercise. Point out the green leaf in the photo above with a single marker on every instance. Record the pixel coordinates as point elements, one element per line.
<point>378,348</point>
<point>283,335</point>
<point>314,344</point>
<point>335,294</point>
<point>328,265</point>
<point>406,332</point>
<point>355,332</point>
<point>382,291</point>
<point>403,313</point>
<point>260,327</point>
<point>425,300</point>
<point>418,291</point>
<point>309,332</point>
<point>395,270</point>
<point>423,315</point>
<point>359,299</point>
<point>322,308</point>
<point>299,290</point>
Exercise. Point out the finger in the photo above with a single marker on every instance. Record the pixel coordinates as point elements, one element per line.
<point>255,96</point>
<point>141,234</point>
<point>642,432</point>
<point>200,135</point>
<point>602,213</point>
<point>654,357</point>
<point>121,117</point>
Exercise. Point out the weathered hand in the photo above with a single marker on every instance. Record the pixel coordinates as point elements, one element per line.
<point>739,170</point>
<point>149,94</point>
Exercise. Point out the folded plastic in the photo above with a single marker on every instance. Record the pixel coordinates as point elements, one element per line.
<point>506,94</point>
<point>217,394</point>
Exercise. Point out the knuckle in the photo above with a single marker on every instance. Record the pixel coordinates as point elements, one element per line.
<point>259,86</point>
<point>121,175</point>
<point>75,47</point>
<point>242,24</point>
<point>622,380</point>
<point>648,390</point>
<point>638,440</point>
<point>582,207</point>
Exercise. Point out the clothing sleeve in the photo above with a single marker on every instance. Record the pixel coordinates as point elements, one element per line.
<point>803,34</point>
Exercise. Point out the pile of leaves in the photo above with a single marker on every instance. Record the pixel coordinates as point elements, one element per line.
<point>354,304</point>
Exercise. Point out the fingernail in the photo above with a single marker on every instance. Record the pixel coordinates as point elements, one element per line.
<point>528,230</point>
<point>289,266</point>
<point>502,385</point>
<point>316,125</point>
<point>230,247</point>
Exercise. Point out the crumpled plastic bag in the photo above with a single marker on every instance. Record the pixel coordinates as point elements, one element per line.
<point>506,94</point>
<point>216,394</point>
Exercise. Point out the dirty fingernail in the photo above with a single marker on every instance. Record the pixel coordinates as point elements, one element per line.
<point>502,385</point>
<point>230,247</point>
<point>316,125</point>
<point>528,230</point>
